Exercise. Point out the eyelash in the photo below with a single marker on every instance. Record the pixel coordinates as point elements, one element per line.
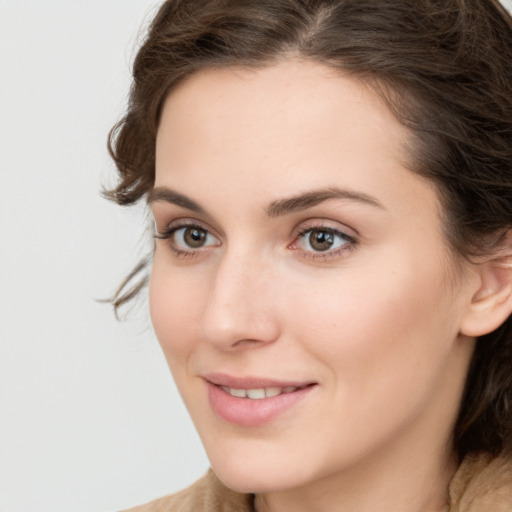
<point>168,233</point>
<point>348,246</point>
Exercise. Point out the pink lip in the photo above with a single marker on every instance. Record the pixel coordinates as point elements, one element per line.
<point>220,379</point>
<point>247,412</point>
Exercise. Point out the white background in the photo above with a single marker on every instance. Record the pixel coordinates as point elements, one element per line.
<point>89,416</point>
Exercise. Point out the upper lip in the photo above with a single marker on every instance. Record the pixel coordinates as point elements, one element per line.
<point>221,379</point>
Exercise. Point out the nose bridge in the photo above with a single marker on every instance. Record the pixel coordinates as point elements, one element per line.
<point>239,307</point>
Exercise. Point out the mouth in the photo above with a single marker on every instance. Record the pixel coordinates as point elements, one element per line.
<point>253,402</point>
<point>260,393</point>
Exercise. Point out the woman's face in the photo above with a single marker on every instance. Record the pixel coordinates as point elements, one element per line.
<point>302,290</point>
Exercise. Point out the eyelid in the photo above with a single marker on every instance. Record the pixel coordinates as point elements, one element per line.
<point>328,225</point>
<point>184,222</point>
<point>325,225</point>
<point>170,229</point>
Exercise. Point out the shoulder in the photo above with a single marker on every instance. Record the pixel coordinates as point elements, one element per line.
<point>208,494</point>
<point>482,483</point>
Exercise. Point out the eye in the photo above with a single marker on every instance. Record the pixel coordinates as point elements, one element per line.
<point>188,239</point>
<point>192,237</point>
<point>323,240</point>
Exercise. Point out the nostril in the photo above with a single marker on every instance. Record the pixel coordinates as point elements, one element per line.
<point>248,343</point>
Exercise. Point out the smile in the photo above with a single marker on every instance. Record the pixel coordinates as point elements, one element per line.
<point>260,393</point>
<point>253,402</point>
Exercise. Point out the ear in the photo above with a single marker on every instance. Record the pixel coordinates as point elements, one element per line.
<point>491,303</point>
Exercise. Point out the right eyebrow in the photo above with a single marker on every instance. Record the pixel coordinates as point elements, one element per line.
<point>167,195</point>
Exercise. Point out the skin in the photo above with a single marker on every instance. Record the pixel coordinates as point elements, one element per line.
<point>377,322</point>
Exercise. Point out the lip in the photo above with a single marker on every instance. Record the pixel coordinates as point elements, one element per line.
<point>220,379</point>
<point>246,412</point>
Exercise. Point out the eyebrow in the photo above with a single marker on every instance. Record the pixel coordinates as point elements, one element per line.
<point>309,199</point>
<point>164,194</point>
<point>276,208</point>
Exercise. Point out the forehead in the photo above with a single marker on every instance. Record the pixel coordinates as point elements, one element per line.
<point>289,95</point>
<point>279,130</point>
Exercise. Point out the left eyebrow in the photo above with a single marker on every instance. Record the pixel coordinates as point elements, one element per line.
<point>309,199</point>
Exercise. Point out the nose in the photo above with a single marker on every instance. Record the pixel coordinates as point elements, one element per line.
<point>240,311</point>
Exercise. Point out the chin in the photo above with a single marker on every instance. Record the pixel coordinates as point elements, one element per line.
<point>250,479</point>
<point>258,473</point>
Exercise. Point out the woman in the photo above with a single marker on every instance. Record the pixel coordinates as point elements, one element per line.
<point>331,283</point>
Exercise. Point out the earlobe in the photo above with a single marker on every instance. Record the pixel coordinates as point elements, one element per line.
<point>491,303</point>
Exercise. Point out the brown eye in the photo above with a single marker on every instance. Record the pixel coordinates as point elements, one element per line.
<point>189,238</point>
<point>321,240</point>
<point>324,239</point>
<point>194,237</point>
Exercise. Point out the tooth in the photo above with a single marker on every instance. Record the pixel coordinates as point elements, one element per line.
<point>289,389</point>
<point>256,394</point>
<point>240,393</point>
<point>269,392</point>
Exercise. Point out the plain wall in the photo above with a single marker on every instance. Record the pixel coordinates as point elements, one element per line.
<point>89,417</point>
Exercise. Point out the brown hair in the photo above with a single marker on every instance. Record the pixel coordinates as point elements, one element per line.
<point>444,68</point>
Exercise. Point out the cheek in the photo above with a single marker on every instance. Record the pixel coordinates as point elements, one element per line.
<point>384,346</point>
<point>174,305</point>
<point>383,323</point>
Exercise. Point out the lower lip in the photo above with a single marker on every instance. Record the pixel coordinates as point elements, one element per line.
<point>247,412</point>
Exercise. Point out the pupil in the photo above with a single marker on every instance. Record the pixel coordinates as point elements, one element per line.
<point>194,237</point>
<point>321,240</point>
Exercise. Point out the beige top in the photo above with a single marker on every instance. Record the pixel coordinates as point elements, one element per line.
<point>481,484</point>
